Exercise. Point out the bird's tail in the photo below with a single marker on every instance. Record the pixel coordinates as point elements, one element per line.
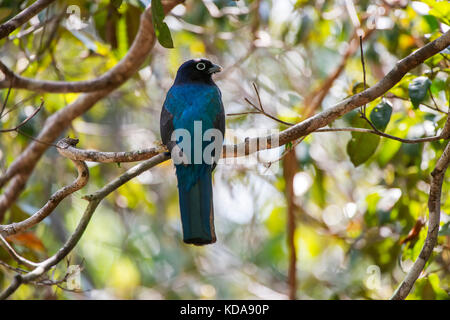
<point>197,212</point>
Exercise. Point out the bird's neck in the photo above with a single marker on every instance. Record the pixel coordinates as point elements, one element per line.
<point>181,80</point>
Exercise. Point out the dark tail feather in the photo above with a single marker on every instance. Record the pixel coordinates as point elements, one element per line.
<point>197,213</point>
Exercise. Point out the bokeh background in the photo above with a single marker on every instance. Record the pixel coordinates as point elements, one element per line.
<point>349,221</point>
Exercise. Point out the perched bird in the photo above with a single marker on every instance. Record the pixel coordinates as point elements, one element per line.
<point>193,107</point>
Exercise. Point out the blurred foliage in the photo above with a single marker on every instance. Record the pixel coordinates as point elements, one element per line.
<point>351,220</point>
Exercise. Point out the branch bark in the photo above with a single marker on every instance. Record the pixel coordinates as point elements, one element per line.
<point>69,151</point>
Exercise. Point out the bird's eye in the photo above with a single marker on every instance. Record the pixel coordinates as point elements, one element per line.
<point>200,66</point>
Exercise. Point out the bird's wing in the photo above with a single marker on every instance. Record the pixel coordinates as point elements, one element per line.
<point>166,127</point>
<point>219,122</point>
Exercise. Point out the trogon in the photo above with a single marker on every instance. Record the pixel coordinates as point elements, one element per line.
<point>193,123</point>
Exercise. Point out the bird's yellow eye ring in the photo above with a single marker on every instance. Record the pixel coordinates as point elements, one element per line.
<point>200,66</point>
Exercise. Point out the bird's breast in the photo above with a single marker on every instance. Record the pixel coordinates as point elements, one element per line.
<point>189,103</point>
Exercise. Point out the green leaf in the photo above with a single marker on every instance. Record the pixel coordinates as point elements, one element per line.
<point>418,89</point>
<point>157,11</point>
<point>381,115</point>
<point>164,37</point>
<point>161,29</point>
<point>362,145</point>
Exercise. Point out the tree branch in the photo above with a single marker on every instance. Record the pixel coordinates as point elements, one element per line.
<point>434,207</point>
<point>382,134</point>
<point>94,200</point>
<point>20,170</point>
<point>15,255</point>
<point>326,117</point>
<point>25,15</point>
<point>31,116</point>
<point>69,151</point>
<point>52,203</point>
<point>117,75</point>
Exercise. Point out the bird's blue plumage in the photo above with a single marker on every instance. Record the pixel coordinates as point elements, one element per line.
<point>194,97</point>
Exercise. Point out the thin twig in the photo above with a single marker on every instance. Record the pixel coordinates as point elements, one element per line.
<point>257,95</point>
<point>434,101</point>
<point>7,266</point>
<point>25,15</point>
<point>243,113</point>
<point>31,116</point>
<point>15,255</point>
<point>260,109</point>
<point>382,134</point>
<point>6,99</point>
<point>391,95</point>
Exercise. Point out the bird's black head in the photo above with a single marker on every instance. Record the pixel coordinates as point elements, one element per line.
<point>196,71</point>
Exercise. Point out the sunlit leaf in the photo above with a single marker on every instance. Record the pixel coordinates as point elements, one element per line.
<point>439,9</point>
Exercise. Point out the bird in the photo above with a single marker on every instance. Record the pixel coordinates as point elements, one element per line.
<point>194,105</point>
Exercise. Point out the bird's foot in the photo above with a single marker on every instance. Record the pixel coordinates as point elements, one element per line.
<point>160,147</point>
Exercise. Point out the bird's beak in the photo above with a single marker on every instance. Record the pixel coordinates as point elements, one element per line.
<point>215,68</point>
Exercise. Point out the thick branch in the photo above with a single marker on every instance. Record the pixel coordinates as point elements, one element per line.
<point>434,207</point>
<point>25,15</point>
